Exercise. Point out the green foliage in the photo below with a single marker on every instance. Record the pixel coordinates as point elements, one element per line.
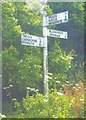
<point>11,29</point>
<point>76,73</point>
<point>58,105</point>
<point>84,16</point>
<point>17,58</point>
<point>22,72</point>
<point>9,63</point>
<point>74,26</point>
<point>59,64</point>
<point>29,18</point>
<point>25,68</point>
<point>29,71</point>
<point>61,59</point>
<point>22,65</point>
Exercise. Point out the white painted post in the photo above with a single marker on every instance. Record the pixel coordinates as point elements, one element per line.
<point>45,51</point>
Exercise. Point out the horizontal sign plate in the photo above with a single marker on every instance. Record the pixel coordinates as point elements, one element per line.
<point>31,40</point>
<point>57,34</point>
<point>57,18</point>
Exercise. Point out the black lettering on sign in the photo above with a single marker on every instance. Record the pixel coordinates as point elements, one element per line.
<point>55,32</point>
<point>58,21</point>
<point>52,19</point>
<point>32,42</point>
<point>35,40</point>
<point>40,44</point>
<point>66,16</point>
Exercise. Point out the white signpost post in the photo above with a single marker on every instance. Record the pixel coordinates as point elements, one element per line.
<point>32,40</point>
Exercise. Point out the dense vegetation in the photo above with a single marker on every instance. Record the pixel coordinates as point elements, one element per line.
<point>22,66</point>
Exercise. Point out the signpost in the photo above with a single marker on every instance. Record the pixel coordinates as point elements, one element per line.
<point>45,56</point>
<point>32,40</point>
<point>57,34</point>
<point>57,18</point>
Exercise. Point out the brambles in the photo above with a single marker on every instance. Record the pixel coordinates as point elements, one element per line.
<point>76,95</point>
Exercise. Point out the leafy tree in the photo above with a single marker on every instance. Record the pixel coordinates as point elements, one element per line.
<point>17,58</point>
<point>10,60</point>
<point>74,26</point>
<point>11,30</point>
<point>18,17</point>
<point>59,64</point>
<point>22,65</point>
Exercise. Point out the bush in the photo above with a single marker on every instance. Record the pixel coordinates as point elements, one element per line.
<point>66,104</point>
